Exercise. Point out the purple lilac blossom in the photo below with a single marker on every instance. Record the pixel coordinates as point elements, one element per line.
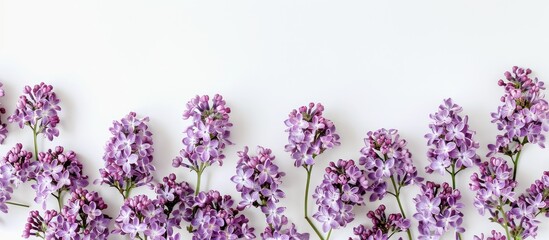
<point>6,189</point>
<point>386,158</point>
<point>19,163</point>
<point>141,217</point>
<point>438,209</point>
<point>38,108</point>
<point>343,187</point>
<point>383,226</point>
<point>57,171</point>
<point>213,217</point>
<point>128,155</point>
<point>523,116</point>
<point>258,180</point>
<point>309,134</point>
<point>208,135</point>
<point>3,125</point>
<point>450,140</point>
<point>174,198</point>
<point>81,219</point>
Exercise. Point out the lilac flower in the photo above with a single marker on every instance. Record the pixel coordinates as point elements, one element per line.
<point>310,134</point>
<point>6,188</point>
<point>128,155</point>
<point>438,209</point>
<point>494,236</point>
<point>141,217</point>
<point>386,157</point>
<point>3,125</point>
<point>82,218</point>
<point>523,116</point>
<point>57,171</point>
<point>19,163</point>
<point>258,180</point>
<point>343,187</point>
<point>451,144</point>
<point>383,226</point>
<point>38,109</point>
<point>212,217</point>
<point>207,136</point>
<point>174,198</point>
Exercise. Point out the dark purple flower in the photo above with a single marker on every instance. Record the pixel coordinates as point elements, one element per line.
<point>3,125</point>
<point>383,226</point>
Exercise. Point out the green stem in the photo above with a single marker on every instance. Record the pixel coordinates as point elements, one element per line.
<point>17,204</point>
<point>515,162</point>
<point>453,175</point>
<point>397,196</point>
<point>35,135</point>
<point>309,170</point>
<point>329,233</point>
<point>506,222</point>
<point>199,178</point>
<point>59,199</point>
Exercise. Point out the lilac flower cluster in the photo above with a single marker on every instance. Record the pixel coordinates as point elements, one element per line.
<point>6,189</point>
<point>174,198</point>
<point>450,140</point>
<point>212,217</point>
<point>19,163</point>
<point>38,108</point>
<point>258,180</point>
<point>3,125</point>
<point>386,157</point>
<point>128,155</point>
<point>383,226</point>
<point>82,218</point>
<point>207,136</point>
<point>438,209</point>
<point>524,114</point>
<point>141,217</point>
<point>343,187</point>
<point>57,171</point>
<point>309,134</point>
<point>493,186</point>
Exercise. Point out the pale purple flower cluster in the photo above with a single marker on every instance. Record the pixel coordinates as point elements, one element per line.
<point>3,125</point>
<point>524,114</point>
<point>309,134</point>
<point>174,198</point>
<point>141,217</point>
<point>57,171</point>
<point>38,108</point>
<point>343,187</point>
<point>386,157</point>
<point>438,209</point>
<point>128,155</point>
<point>207,136</point>
<point>6,189</point>
<point>81,219</point>
<point>213,217</point>
<point>258,180</point>
<point>493,186</point>
<point>19,163</point>
<point>450,140</point>
<point>383,226</point>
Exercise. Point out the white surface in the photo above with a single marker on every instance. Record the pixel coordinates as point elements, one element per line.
<point>372,65</point>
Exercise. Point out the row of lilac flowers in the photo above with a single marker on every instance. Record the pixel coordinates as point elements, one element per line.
<point>385,167</point>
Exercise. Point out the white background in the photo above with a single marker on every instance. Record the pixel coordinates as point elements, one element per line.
<point>372,65</point>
